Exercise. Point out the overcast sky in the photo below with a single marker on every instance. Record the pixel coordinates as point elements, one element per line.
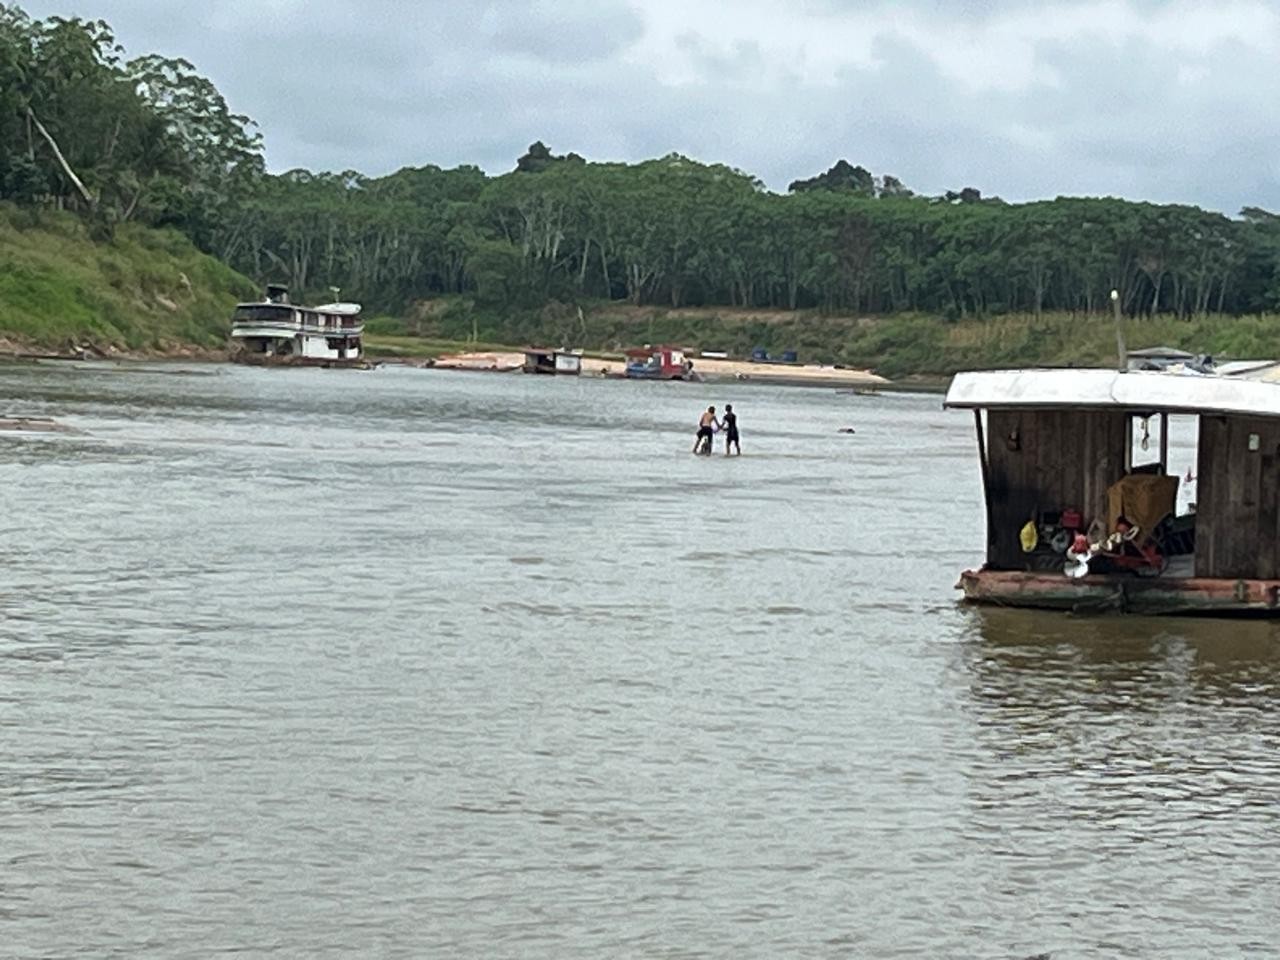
<point>1166,101</point>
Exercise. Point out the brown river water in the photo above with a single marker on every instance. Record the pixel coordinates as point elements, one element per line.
<point>415,664</point>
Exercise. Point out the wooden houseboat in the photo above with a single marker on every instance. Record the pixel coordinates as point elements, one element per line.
<point>560,362</point>
<point>1074,523</point>
<point>277,332</point>
<point>658,363</point>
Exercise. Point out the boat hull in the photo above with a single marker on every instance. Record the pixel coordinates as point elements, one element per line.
<point>1121,593</point>
<point>292,360</point>
<point>632,373</point>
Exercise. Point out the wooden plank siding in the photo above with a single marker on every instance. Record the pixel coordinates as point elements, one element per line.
<point>1238,498</point>
<point>1048,460</point>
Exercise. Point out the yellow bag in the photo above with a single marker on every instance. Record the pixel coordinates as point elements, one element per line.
<point>1029,536</point>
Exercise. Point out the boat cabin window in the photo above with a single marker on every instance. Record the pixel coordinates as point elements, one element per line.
<point>263,311</point>
<point>1148,443</point>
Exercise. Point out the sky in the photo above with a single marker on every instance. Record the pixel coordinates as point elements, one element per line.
<point>1145,99</point>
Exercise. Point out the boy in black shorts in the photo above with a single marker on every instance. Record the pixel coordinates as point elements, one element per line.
<point>730,422</point>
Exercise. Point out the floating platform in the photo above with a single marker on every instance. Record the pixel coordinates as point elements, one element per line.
<point>1123,593</point>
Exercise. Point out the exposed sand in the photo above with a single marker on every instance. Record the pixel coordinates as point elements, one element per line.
<point>705,368</point>
<point>784,373</point>
<point>501,362</point>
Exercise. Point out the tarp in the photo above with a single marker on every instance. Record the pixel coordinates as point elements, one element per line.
<point>1145,499</point>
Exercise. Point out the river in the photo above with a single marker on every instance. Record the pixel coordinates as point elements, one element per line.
<point>406,663</point>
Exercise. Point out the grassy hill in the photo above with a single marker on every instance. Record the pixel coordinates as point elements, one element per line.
<point>143,291</point>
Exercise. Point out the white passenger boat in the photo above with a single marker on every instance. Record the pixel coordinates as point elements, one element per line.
<point>275,332</point>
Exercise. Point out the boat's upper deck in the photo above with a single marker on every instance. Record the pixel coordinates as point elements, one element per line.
<point>286,319</point>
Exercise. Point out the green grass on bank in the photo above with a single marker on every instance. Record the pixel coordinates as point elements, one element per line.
<point>144,289</point>
<point>896,346</point>
<point>1071,340</point>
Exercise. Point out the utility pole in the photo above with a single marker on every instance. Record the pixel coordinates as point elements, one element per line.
<point>1121,358</point>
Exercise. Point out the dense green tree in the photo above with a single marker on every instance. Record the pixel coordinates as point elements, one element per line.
<point>843,177</point>
<point>539,157</point>
<point>82,129</point>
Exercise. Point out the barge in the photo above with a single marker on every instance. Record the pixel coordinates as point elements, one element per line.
<point>1076,522</point>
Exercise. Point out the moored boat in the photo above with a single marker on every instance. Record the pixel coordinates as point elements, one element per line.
<point>1073,522</point>
<point>563,362</point>
<point>275,332</point>
<point>658,363</point>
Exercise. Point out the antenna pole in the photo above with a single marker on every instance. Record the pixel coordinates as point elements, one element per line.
<point>1122,361</point>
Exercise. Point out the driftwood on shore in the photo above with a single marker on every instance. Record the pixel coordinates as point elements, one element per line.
<point>14,424</point>
<point>86,352</point>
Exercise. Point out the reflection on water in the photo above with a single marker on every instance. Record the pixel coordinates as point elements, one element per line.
<point>1127,772</point>
<point>331,663</point>
<point>1125,662</point>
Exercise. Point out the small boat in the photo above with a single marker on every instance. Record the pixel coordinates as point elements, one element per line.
<point>561,362</point>
<point>1073,523</point>
<point>658,363</point>
<point>275,332</point>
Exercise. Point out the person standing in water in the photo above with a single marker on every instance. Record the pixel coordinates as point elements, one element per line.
<point>730,424</point>
<point>707,425</point>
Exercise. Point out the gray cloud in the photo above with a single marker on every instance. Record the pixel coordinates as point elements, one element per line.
<point>565,33</point>
<point>1154,100</point>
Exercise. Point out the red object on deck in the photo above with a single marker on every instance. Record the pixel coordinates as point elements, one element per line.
<point>659,363</point>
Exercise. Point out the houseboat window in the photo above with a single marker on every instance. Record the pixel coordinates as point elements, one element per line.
<point>263,311</point>
<point>1148,444</point>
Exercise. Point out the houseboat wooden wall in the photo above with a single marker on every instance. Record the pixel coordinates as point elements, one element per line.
<point>1041,460</point>
<point>1238,498</point>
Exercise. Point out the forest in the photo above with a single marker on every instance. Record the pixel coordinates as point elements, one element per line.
<point>116,140</point>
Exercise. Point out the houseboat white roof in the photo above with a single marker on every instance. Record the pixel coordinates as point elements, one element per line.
<point>1095,389</point>
<point>1268,370</point>
<point>335,309</point>
<point>346,309</point>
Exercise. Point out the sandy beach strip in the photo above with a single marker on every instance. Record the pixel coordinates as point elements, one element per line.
<point>707,369</point>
